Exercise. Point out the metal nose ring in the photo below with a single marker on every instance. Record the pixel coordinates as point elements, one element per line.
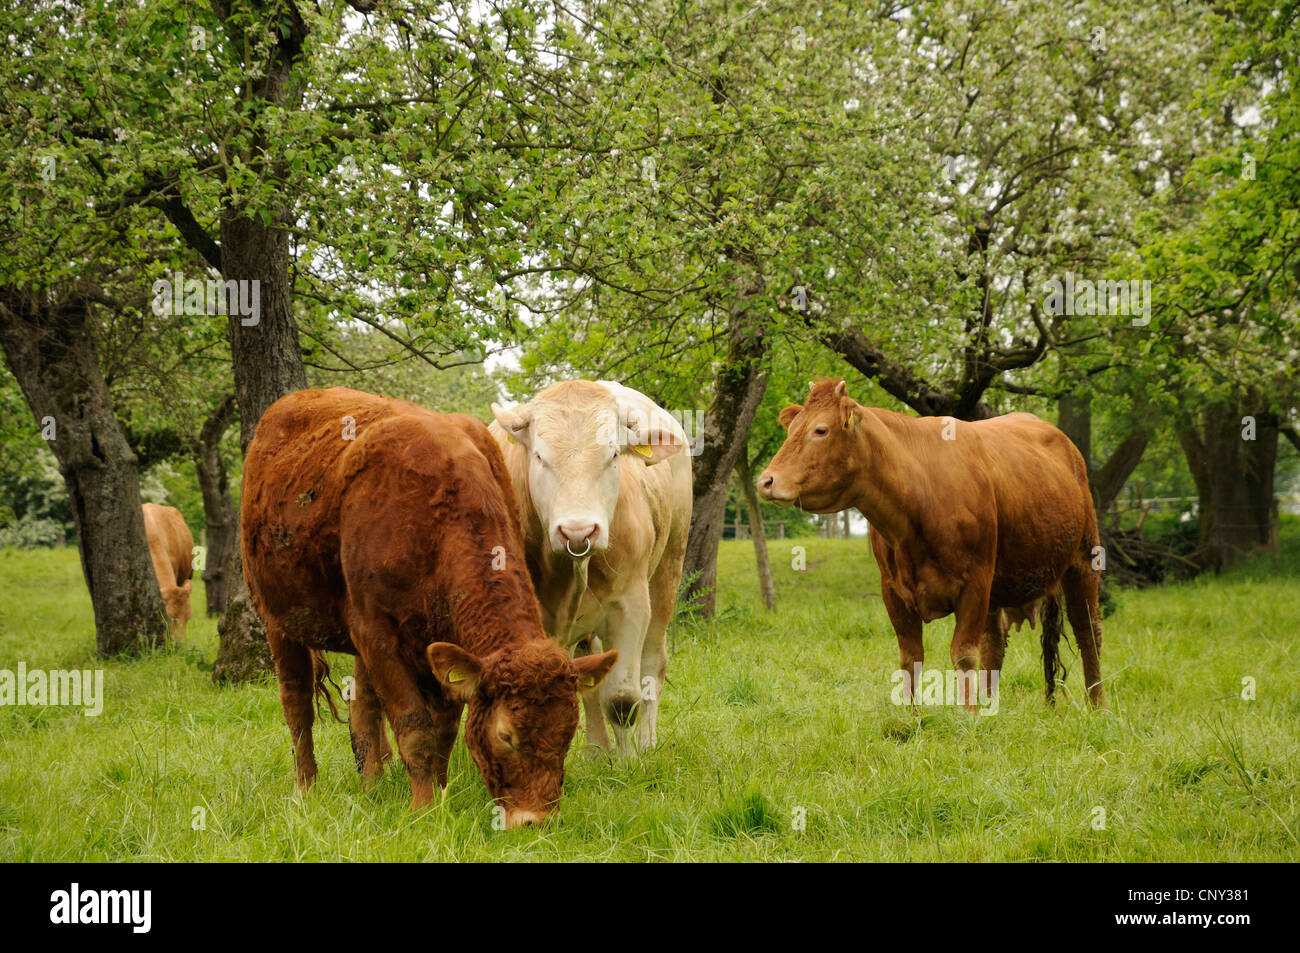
<point>568,545</point>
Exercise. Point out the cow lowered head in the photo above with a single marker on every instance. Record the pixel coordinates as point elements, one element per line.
<point>176,602</point>
<point>523,711</point>
<point>576,434</point>
<point>815,466</point>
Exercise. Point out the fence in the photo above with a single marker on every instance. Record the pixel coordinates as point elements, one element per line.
<point>739,530</point>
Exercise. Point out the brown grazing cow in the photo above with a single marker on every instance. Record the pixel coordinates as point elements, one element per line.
<point>375,527</point>
<point>967,518</point>
<point>171,549</point>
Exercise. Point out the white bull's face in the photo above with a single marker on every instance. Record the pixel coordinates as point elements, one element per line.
<point>574,484</point>
<point>575,454</point>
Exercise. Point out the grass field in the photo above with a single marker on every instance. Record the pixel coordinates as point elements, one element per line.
<point>778,741</point>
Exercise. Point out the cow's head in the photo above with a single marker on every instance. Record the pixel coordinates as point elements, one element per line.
<point>576,434</point>
<point>814,468</point>
<point>523,710</point>
<point>176,602</point>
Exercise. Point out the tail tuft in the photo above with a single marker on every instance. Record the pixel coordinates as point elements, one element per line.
<point>320,673</point>
<point>1053,627</point>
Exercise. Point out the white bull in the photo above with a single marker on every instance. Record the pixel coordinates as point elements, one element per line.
<point>604,491</point>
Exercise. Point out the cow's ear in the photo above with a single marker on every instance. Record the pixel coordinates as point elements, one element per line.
<point>457,671</point>
<point>789,414</point>
<point>651,453</point>
<point>649,433</point>
<point>849,418</point>
<point>515,422</point>
<point>592,669</point>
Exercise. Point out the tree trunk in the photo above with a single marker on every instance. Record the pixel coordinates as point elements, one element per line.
<point>267,365</point>
<point>738,390</point>
<point>218,508</point>
<point>1074,417</point>
<point>52,353</point>
<point>265,352</point>
<point>1109,478</point>
<point>1232,463</point>
<point>745,473</point>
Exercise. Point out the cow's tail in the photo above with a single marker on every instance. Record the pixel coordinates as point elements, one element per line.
<point>320,674</point>
<point>1053,628</point>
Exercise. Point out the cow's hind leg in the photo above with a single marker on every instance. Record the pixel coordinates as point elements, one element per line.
<point>1080,586</point>
<point>293,667</point>
<point>654,654</point>
<point>911,648</point>
<point>366,725</point>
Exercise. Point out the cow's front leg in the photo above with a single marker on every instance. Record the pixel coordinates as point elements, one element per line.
<point>992,650</point>
<point>620,692</point>
<point>911,648</point>
<point>405,706</point>
<point>597,735</point>
<point>370,745</point>
<point>968,638</point>
<point>446,725</point>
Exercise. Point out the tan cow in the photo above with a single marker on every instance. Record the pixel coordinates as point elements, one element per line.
<point>985,521</point>
<point>604,491</point>
<point>171,548</point>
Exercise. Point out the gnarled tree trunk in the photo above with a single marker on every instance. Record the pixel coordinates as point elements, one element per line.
<point>1074,417</point>
<point>218,507</point>
<point>52,353</point>
<point>267,364</point>
<point>1109,478</point>
<point>738,390</point>
<point>1232,461</point>
<point>254,247</point>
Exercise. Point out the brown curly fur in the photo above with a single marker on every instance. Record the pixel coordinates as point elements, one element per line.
<point>381,545</point>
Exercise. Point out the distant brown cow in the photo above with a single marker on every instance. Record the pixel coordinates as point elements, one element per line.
<point>171,548</point>
<point>967,518</point>
<point>375,527</point>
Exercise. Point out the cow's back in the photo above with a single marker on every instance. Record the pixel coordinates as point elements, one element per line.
<point>171,544</point>
<point>339,481</point>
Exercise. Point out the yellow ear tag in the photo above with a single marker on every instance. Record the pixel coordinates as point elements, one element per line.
<point>588,681</point>
<point>644,450</point>
<point>511,438</point>
<point>456,675</point>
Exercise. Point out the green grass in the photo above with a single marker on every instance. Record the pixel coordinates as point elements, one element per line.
<point>778,741</point>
